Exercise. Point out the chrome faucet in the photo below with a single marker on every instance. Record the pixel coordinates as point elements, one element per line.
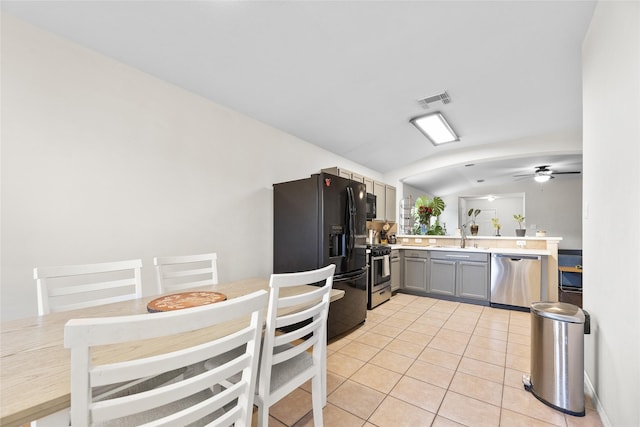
<point>463,235</point>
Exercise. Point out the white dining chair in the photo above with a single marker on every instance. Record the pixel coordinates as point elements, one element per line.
<point>297,353</point>
<point>189,400</point>
<point>186,271</point>
<point>71,287</point>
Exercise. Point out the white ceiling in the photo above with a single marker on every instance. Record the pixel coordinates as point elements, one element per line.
<point>346,75</point>
<point>493,173</point>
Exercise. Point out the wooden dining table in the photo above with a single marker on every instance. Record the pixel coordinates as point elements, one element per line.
<point>35,366</point>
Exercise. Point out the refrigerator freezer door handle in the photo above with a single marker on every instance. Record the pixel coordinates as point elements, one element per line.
<point>350,219</point>
<point>350,276</point>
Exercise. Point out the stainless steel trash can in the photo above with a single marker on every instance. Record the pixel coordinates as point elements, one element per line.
<point>557,356</point>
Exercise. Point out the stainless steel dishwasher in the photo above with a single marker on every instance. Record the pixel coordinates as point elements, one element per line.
<point>515,279</point>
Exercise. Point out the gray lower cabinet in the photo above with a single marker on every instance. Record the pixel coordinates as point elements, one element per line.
<point>396,270</point>
<point>416,266</point>
<point>459,274</point>
<point>442,277</point>
<point>473,280</point>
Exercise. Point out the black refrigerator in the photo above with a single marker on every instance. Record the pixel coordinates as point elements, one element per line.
<point>319,221</point>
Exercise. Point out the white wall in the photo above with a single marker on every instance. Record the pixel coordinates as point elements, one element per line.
<point>503,207</point>
<point>611,94</point>
<point>565,142</point>
<point>102,162</point>
<point>554,206</point>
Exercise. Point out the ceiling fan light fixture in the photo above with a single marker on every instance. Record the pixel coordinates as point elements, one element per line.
<point>435,127</point>
<point>542,177</point>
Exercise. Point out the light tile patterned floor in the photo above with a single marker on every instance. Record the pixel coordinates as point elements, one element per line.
<point>425,362</point>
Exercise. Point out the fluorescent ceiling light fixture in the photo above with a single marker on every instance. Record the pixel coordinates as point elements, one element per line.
<point>435,127</point>
<point>542,177</point>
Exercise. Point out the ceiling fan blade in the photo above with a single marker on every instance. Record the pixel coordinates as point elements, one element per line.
<point>565,173</point>
<point>528,174</point>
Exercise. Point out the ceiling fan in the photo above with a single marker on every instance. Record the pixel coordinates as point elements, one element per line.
<point>544,174</point>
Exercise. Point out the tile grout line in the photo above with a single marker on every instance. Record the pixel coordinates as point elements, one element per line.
<point>478,316</point>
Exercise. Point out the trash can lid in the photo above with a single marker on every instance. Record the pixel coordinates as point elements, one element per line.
<point>558,311</point>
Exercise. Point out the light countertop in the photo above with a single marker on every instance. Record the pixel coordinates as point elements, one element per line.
<point>471,248</point>
<point>418,236</point>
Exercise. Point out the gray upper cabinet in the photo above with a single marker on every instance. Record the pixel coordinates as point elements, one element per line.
<point>368,182</point>
<point>356,177</point>
<point>390,205</point>
<point>342,172</point>
<point>385,194</point>
<point>385,201</point>
<point>380,191</point>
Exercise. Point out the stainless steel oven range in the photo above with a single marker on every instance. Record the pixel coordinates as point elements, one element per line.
<point>379,281</point>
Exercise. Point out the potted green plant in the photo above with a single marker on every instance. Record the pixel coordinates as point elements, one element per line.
<point>520,231</point>
<point>425,209</point>
<point>496,225</point>
<point>473,215</point>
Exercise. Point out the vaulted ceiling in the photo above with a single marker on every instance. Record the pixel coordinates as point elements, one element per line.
<point>348,75</point>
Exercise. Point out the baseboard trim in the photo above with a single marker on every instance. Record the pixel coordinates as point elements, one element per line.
<point>590,390</point>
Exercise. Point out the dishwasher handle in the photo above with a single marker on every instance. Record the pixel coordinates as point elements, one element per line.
<point>518,257</point>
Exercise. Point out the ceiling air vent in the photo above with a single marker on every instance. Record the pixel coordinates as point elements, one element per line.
<point>444,97</point>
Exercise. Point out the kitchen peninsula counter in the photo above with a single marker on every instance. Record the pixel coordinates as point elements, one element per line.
<point>481,249</point>
<point>543,246</point>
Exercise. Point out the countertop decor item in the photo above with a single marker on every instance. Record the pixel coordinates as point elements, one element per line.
<point>426,209</point>
<point>473,215</point>
<point>520,231</point>
<point>496,225</point>
<point>184,300</point>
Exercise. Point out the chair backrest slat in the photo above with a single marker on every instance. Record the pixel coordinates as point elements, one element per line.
<point>293,351</point>
<point>120,372</point>
<point>70,287</point>
<point>301,299</point>
<point>293,318</point>
<point>79,289</point>
<point>186,271</point>
<point>92,303</point>
<point>296,334</point>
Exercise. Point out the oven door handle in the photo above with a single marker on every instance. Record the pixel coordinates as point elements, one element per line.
<point>374,259</point>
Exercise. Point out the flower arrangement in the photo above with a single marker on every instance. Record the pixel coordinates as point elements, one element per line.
<point>424,214</point>
<point>424,210</point>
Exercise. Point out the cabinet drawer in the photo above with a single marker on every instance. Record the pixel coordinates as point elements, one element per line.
<point>414,253</point>
<point>460,256</point>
